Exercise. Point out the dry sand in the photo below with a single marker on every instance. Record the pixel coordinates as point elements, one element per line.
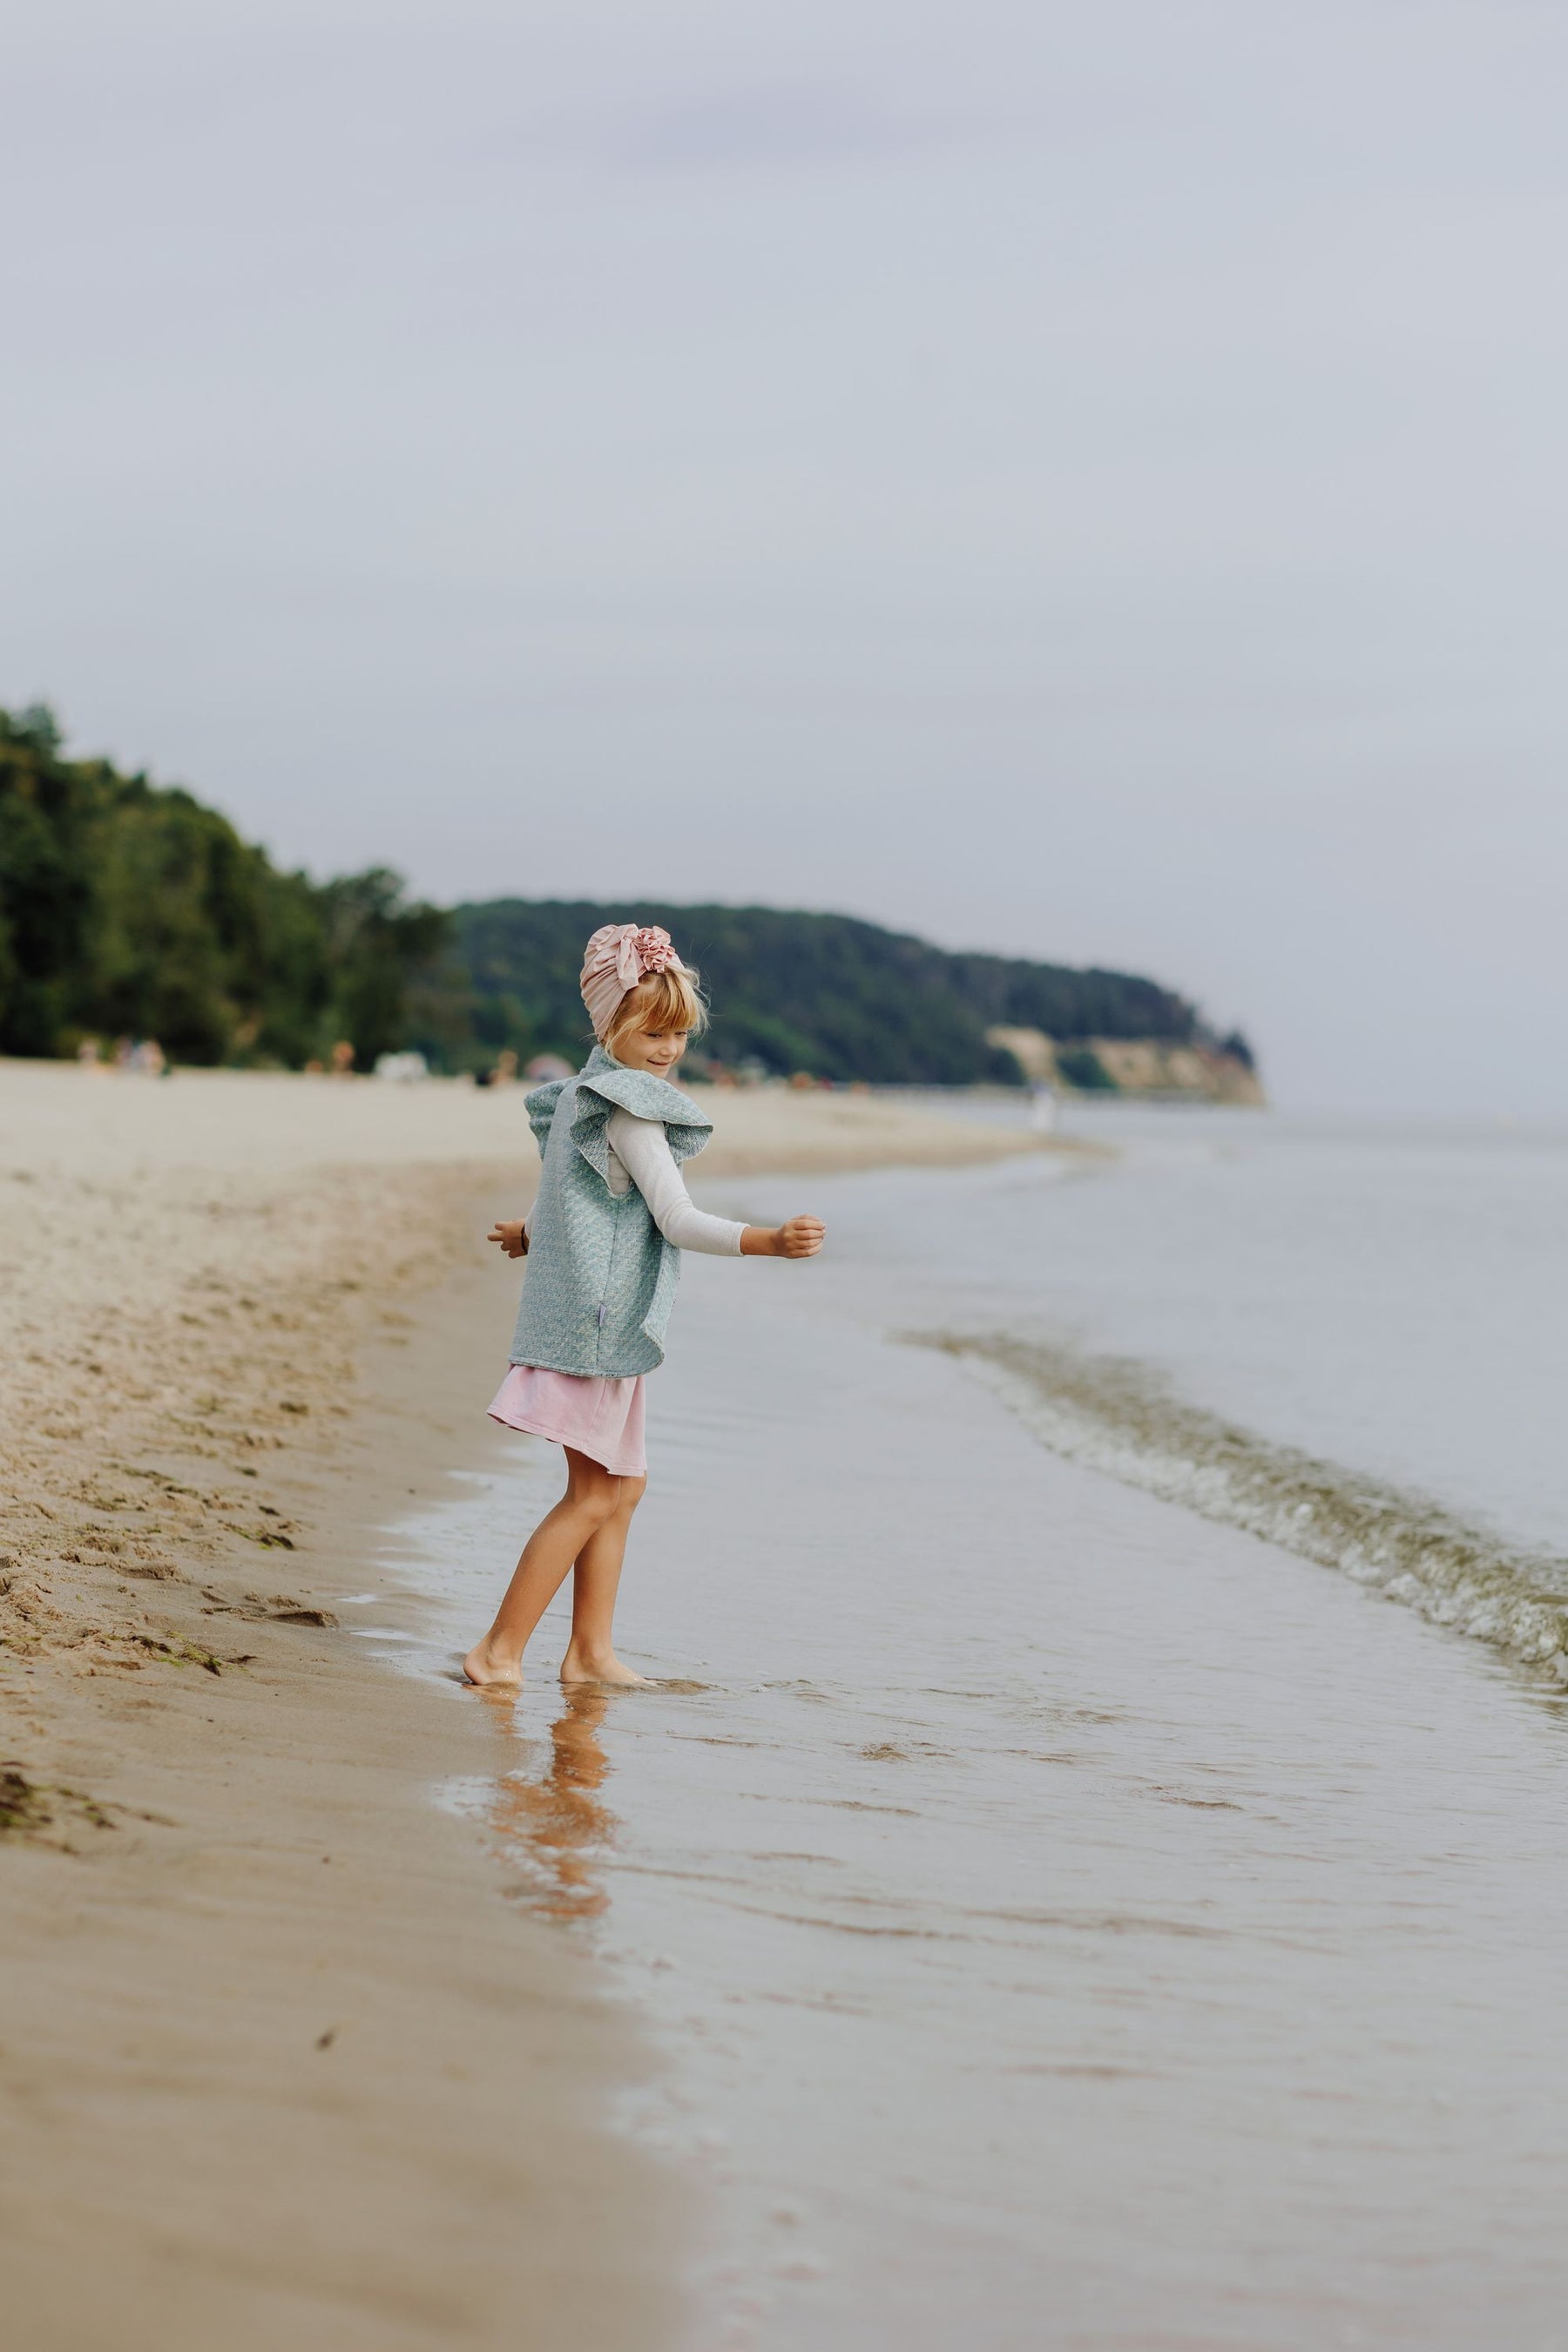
<point>278,2064</point>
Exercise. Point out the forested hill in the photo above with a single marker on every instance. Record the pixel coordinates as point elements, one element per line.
<point>826,993</point>
<point>129,910</point>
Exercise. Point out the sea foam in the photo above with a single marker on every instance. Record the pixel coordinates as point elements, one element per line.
<point>1122,1418</point>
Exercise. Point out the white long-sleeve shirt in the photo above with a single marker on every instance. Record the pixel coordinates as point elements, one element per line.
<point>640,1155</point>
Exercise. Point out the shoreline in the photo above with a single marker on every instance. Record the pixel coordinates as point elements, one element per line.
<point>281,2109</point>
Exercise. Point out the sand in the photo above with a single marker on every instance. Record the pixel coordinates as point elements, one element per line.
<point>241,2101</point>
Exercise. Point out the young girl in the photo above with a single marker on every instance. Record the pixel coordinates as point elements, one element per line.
<point>603,1241</point>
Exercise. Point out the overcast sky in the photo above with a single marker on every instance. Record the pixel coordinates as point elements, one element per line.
<point>1086,481</point>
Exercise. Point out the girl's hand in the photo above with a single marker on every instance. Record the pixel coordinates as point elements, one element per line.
<point>801,1237</point>
<point>511,1236</point>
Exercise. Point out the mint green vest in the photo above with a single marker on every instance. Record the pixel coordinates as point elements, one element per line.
<point>600,1277</point>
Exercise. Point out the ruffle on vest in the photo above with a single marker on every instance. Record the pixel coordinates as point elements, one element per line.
<point>603,1086</point>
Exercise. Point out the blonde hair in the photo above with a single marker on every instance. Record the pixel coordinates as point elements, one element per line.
<point>661,999</point>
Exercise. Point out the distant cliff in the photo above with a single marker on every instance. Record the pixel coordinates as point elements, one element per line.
<point>1201,1070</point>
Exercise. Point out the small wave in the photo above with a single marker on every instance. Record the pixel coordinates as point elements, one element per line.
<point>1122,1419</point>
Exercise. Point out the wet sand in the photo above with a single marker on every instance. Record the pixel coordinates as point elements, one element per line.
<point>278,2059</point>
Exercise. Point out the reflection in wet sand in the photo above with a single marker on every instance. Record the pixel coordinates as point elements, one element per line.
<point>551,1820</point>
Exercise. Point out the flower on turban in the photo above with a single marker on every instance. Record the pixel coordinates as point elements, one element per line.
<point>618,956</point>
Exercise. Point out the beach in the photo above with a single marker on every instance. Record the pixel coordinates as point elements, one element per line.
<point>974,587</point>
<point>281,2059</point>
<point>1059,1893</point>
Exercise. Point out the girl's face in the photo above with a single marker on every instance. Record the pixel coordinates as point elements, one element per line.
<point>656,1050</point>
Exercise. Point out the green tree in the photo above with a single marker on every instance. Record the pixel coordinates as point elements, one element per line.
<point>126,908</point>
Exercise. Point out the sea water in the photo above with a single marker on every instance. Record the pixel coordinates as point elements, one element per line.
<point>1076,1908</point>
<point>1351,1342</point>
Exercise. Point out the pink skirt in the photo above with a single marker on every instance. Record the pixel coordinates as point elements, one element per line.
<point>601,1418</point>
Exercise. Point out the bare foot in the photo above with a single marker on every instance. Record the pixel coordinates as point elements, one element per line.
<point>488,1664</point>
<point>582,1666</point>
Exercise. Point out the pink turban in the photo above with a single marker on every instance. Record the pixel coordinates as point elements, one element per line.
<point>618,956</point>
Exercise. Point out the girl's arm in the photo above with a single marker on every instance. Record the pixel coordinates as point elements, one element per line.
<point>642,1150</point>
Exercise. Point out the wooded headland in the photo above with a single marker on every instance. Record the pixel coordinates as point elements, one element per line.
<point>132,910</point>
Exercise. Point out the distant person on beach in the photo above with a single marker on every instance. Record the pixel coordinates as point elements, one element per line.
<point>143,1057</point>
<point>603,1241</point>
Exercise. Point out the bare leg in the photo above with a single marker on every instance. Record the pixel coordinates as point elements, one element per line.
<point>590,1655</point>
<point>591,1498</point>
